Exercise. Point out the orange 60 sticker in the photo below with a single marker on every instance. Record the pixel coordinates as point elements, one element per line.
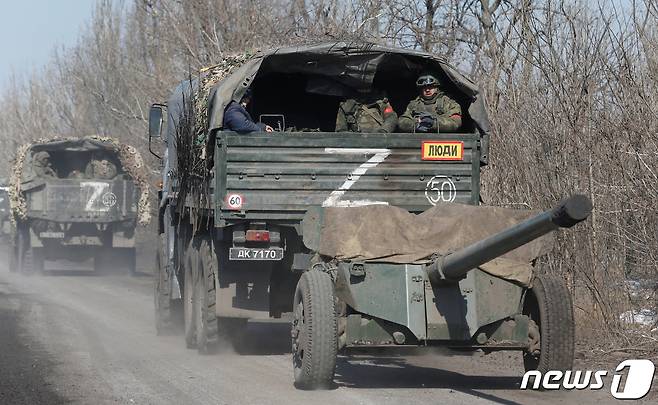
<point>234,201</point>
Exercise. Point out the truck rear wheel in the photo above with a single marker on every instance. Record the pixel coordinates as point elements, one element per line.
<point>189,297</point>
<point>548,304</point>
<point>37,260</point>
<point>130,259</point>
<point>164,307</point>
<point>13,258</point>
<point>207,335</point>
<point>24,252</point>
<point>313,333</point>
<point>103,259</point>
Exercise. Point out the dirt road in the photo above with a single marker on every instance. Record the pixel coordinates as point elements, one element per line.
<point>74,337</point>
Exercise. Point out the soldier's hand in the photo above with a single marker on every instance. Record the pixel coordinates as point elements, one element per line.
<point>269,128</point>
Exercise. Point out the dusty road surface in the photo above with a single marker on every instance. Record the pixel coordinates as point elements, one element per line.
<point>75,337</point>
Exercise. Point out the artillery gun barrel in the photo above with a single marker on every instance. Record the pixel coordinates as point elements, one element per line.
<point>566,214</point>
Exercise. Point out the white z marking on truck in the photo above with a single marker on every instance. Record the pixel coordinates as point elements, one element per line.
<point>334,199</point>
<point>94,191</point>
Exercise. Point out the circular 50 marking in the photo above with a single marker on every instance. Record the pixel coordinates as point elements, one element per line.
<point>109,199</point>
<point>440,189</point>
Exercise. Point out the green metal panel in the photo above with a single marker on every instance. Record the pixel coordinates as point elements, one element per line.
<point>363,331</point>
<point>84,200</point>
<point>392,292</point>
<point>456,311</point>
<point>280,175</point>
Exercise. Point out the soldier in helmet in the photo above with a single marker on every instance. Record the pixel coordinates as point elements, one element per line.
<point>42,166</point>
<point>432,110</point>
<point>99,167</point>
<point>361,116</point>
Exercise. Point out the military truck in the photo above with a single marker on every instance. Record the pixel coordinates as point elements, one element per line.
<point>77,200</point>
<point>362,239</point>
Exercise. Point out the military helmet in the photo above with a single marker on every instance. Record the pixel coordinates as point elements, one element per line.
<point>426,81</point>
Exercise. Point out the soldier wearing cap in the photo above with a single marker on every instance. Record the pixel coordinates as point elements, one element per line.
<point>432,110</point>
<point>238,119</point>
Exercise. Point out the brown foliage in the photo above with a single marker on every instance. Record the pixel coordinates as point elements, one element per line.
<point>572,86</point>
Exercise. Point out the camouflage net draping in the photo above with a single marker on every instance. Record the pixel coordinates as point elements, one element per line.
<point>208,78</point>
<point>192,142</point>
<point>129,157</point>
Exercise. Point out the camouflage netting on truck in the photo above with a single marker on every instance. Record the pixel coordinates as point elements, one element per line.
<point>208,79</point>
<point>129,157</point>
<point>191,109</point>
<point>383,233</point>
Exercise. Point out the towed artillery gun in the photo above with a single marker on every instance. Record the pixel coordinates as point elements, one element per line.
<point>448,301</point>
<point>77,199</point>
<point>363,240</point>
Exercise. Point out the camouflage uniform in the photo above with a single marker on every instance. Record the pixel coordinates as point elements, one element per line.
<point>354,116</point>
<point>442,110</point>
<point>41,165</point>
<point>100,169</point>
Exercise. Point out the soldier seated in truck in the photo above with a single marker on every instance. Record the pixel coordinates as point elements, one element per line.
<point>238,119</point>
<point>99,167</point>
<point>361,116</point>
<point>42,165</point>
<point>432,111</point>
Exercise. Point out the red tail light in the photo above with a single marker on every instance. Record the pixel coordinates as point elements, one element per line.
<point>257,236</point>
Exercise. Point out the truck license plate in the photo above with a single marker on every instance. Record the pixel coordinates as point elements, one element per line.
<point>240,253</point>
<point>52,235</point>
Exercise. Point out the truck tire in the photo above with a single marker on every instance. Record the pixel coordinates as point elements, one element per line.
<point>103,260</point>
<point>189,297</point>
<point>23,251</point>
<point>549,306</point>
<point>27,262</point>
<point>207,335</point>
<point>37,260</point>
<point>13,258</point>
<point>165,322</point>
<point>130,258</point>
<point>313,333</point>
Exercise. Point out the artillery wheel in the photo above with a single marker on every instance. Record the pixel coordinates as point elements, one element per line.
<point>207,335</point>
<point>189,296</point>
<point>548,304</point>
<point>165,307</point>
<point>314,347</point>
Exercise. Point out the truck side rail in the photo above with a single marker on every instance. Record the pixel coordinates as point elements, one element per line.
<point>278,176</point>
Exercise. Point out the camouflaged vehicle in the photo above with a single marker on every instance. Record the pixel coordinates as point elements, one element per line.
<point>362,240</point>
<point>76,200</point>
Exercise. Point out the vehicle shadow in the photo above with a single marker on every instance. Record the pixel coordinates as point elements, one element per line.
<point>396,372</point>
<point>264,338</point>
<point>69,273</point>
